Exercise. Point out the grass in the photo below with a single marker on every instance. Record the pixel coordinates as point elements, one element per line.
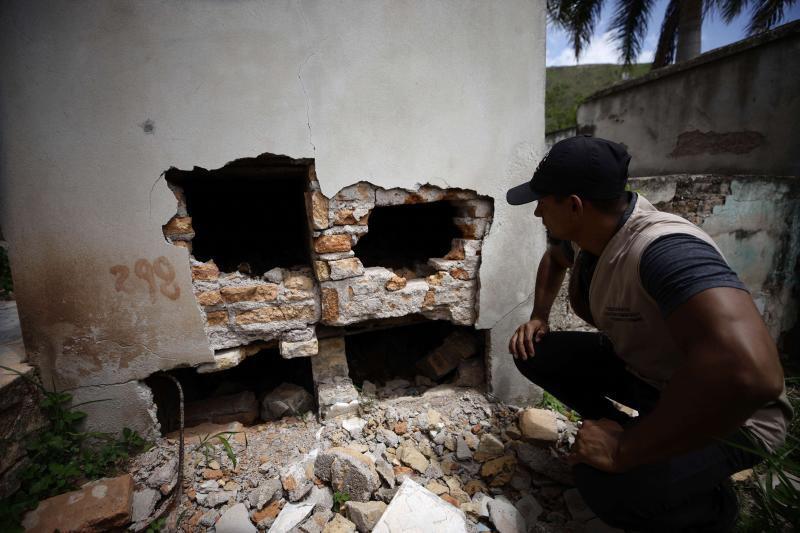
<point>567,87</point>
<point>553,404</point>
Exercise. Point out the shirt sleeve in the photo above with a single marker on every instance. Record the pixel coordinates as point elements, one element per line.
<point>675,267</point>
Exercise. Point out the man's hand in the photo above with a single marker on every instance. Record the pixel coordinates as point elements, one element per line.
<point>597,445</point>
<point>521,343</point>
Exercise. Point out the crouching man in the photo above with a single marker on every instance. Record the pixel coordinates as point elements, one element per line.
<point>680,340</point>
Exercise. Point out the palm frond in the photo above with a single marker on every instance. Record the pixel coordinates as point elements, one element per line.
<point>629,27</point>
<point>667,39</point>
<point>578,18</point>
<point>767,14</point>
<point>729,9</point>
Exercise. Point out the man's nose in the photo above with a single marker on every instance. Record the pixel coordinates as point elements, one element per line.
<point>537,212</point>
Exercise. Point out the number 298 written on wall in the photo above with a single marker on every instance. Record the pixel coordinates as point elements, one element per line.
<point>158,276</point>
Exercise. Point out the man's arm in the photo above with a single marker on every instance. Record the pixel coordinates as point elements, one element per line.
<point>549,277</point>
<point>729,370</point>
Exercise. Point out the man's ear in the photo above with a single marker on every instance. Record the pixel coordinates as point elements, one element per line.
<point>576,204</point>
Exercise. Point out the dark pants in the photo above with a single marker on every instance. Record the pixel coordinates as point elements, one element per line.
<point>690,492</point>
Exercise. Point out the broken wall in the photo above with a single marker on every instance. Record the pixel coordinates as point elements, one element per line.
<point>732,110</point>
<point>98,99</point>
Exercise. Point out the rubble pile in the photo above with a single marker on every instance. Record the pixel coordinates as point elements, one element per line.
<point>441,459</point>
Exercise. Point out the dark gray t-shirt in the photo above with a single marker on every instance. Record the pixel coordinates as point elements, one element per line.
<point>673,268</point>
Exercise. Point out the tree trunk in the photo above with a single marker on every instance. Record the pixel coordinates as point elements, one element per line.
<point>690,25</point>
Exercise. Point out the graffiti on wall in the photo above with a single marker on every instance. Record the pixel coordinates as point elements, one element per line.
<point>158,276</point>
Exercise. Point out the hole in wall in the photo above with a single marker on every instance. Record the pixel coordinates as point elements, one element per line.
<point>423,354</point>
<point>249,215</point>
<point>228,395</point>
<point>404,237</point>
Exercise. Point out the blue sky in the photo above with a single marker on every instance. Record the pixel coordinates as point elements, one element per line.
<point>601,50</point>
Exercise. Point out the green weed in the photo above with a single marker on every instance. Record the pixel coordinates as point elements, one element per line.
<point>552,403</point>
<point>60,456</point>
<point>339,499</point>
<point>206,446</point>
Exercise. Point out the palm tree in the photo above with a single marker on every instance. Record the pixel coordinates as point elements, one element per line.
<point>679,39</point>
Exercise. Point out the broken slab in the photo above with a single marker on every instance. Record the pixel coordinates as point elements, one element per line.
<point>415,508</point>
<point>235,520</point>
<point>290,516</point>
<point>505,517</point>
<point>364,514</point>
<point>348,471</point>
<point>98,506</point>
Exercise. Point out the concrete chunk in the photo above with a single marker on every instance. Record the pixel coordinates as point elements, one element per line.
<point>415,508</point>
<point>364,514</point>
<point>348,471</point>
<point>235,520</point>
<point>505,517</point>
<point>538,425</point>
<point>287,399</point>
<point>290,516</point>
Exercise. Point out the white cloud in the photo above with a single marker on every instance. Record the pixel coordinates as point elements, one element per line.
<point>601,50</point>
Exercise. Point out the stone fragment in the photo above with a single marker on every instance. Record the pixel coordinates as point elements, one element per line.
<point>290,516</point>
<point>205,271</point>
<point>444,359</point>
<point>416,509</point>
<point>471,373</point>
<point>354,426</point>
<point>331,361</point>
<point>475,485</point>
<point>463,453</point>
<point>529,508</point>
<point>401,427</point>
<point>385,471</point>
<point>144,503</point>
<point>295,482</point>
<point>339,524</point>
<point>489,448</point>
<point>208,298</point>
<point>540,461</point>
<point>266,516</point>
<point>290,350</point>
<point>316,522</point>
<point>241,407</point>
<point>320,497</point>
<point>481,501</point>
<point>332,243</point>
<point>274,275</point>
<point>216,318</point>
<point>452,501</point>
<point>265,292</point>
<point>538,425</point>
<point>298,280</point>
<point>389,437</point>
<point>319,210</point>
<point>97,506</point>
<point>345,268</point>
<point>395,283</point>
<point>386,494</point>
<point>322,271</point>
<point>401,473</point>
<point>215,499</point>
<point>413,458</point>
<point>437,487</point>
<point>337,399</point>
<point>499,471</point>
<point>348,471</point>
<point>235,520</point>
<point>505,517</point>
<point>264,493</point>
<point>287,399</point>
<point>364,514</point>
<point>178,226</point>
<point>302,313</point>
<point>330,305</point>
<point>576,506</point>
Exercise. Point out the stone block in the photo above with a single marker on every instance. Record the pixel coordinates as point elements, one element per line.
<point>330,361</point>
<point>408,455</point>
<point>339,524</point>
<point>208,298</point>
<point>217,318</point>
<point>144,503</point>
<point>330,305</point>
<point>319,210</point>
<point>332,243</point>
<point>235,520</point>
<point>241,407</point>
<point>360,192</point>
<point>499,471</point>
<point>300,281</point>
<point>538,425</point>
<point>290,350</point>
<point>415,508</point>
<point>348,471</point>
<point>266,292</point>
<point>204,271</point>
<point>444,359</point>
<point>305,313</point>
<point>489,447</point>
<point>364,514</point>
<point>295,481</point>
<point>322,271</point>
<point>345,268</point>
<point>287,399</point>
<point>225,359</point>
<point>98,506</point>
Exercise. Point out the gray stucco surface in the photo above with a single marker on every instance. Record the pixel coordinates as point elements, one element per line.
<point>99,98</point>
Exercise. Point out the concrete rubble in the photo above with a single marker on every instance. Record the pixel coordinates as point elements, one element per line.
<point>442,455</point>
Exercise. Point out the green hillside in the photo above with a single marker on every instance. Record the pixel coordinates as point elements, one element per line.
<point>568,86</point>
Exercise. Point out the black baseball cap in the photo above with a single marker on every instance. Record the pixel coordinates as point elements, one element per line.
<point>591,167</point>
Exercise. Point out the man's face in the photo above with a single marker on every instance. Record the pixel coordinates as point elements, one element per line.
<point>557,216</point>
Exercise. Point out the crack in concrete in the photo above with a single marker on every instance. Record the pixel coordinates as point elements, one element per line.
<point>305,95</point>
<point>150,196</point>
<point>527,298</point>
<point>103,385</point>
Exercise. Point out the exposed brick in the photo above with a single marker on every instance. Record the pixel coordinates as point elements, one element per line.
<point>217,318</point>
<point>322,270</point>
<point>209,298</point>
<point>456,253</point>
<point>319,210</point>
<point>344,217</point>
<point>460,273</point>
<point>273,314</point>
<point>183,244</point>
<point>396,283</point>
<point>330,305</point>
<point>436,279</point>
<point>253,293</point>
<point>205,272</point>
<point>429,300</point>
<point>298,282</point>
<point>178,226</point>
<point>332,243</point>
